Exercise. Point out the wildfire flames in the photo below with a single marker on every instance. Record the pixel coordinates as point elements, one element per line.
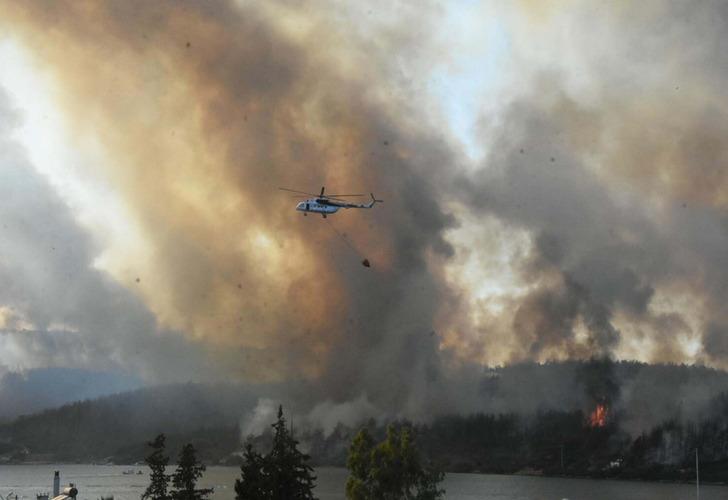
<point>598,417</point>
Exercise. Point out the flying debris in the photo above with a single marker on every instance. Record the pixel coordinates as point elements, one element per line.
<point>326,204</point>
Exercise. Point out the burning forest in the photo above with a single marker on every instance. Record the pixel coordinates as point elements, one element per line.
<point>598,418</point>
<point>569,436</point>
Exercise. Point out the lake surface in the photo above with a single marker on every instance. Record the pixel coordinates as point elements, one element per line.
<point>93,481</point>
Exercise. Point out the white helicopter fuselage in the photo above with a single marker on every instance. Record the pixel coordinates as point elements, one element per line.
<point>326,205</point>
<point>314,206</point>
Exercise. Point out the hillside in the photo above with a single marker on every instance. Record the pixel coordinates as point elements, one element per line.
<point>115,428</point>
<point>652,416</point>
<point>31,391</point>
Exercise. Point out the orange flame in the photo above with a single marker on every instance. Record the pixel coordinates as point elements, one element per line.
<point>598,417</point>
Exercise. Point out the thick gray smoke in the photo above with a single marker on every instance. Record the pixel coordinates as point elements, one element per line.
<point>232,269</point>
<point>606,155</point>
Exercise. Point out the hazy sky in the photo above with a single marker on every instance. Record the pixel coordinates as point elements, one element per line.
<point>553,172</point>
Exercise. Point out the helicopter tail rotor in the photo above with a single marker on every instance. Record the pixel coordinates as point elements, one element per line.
<point>371,203</point>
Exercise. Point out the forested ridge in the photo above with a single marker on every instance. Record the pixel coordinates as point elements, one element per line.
<point>547,440</point>
<point>116,428</point>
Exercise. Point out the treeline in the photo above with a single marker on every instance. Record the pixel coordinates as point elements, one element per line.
<point>566,443</point>
<point>655,421</point>
<point>390,469</point>
<point>560,443</point>
<point>114,428</point>
<point>550,443</point>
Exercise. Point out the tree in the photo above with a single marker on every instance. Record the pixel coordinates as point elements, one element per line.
<point>390,470</point>
<point>283,474</point>
<point>290,475</point>
<point>359,485</point>
<point>253,483</point>
<point>157,462</point>
<point>189,470</point>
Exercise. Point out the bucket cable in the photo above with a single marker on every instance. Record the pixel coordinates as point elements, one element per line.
<point>365,261</point>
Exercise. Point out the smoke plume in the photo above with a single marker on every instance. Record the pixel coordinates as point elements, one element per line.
<point>593,225</point>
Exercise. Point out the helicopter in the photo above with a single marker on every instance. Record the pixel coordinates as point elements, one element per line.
<point>326,204</point>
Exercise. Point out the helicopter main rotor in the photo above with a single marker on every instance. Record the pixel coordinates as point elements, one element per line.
<point>321,195</point>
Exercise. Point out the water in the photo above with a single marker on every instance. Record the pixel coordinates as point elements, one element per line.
<point>96,480</point>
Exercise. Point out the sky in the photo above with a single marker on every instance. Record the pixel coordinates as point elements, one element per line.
<point>553,174</point>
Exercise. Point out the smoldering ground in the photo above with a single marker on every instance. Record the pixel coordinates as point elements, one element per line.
<point>203,109</point>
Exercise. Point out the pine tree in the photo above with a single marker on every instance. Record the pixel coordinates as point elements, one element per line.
<point>189,470</point>
<point>290,475</point>
<point>253,483</point>
<point>157,462</point>
<point>283,474</point>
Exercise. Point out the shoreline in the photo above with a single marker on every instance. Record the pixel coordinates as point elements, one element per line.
<point>534,474</point>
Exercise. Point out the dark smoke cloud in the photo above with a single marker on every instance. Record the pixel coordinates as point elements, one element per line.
<point>592,253</point>
<point>610,159</point>
<point>204,109</point>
